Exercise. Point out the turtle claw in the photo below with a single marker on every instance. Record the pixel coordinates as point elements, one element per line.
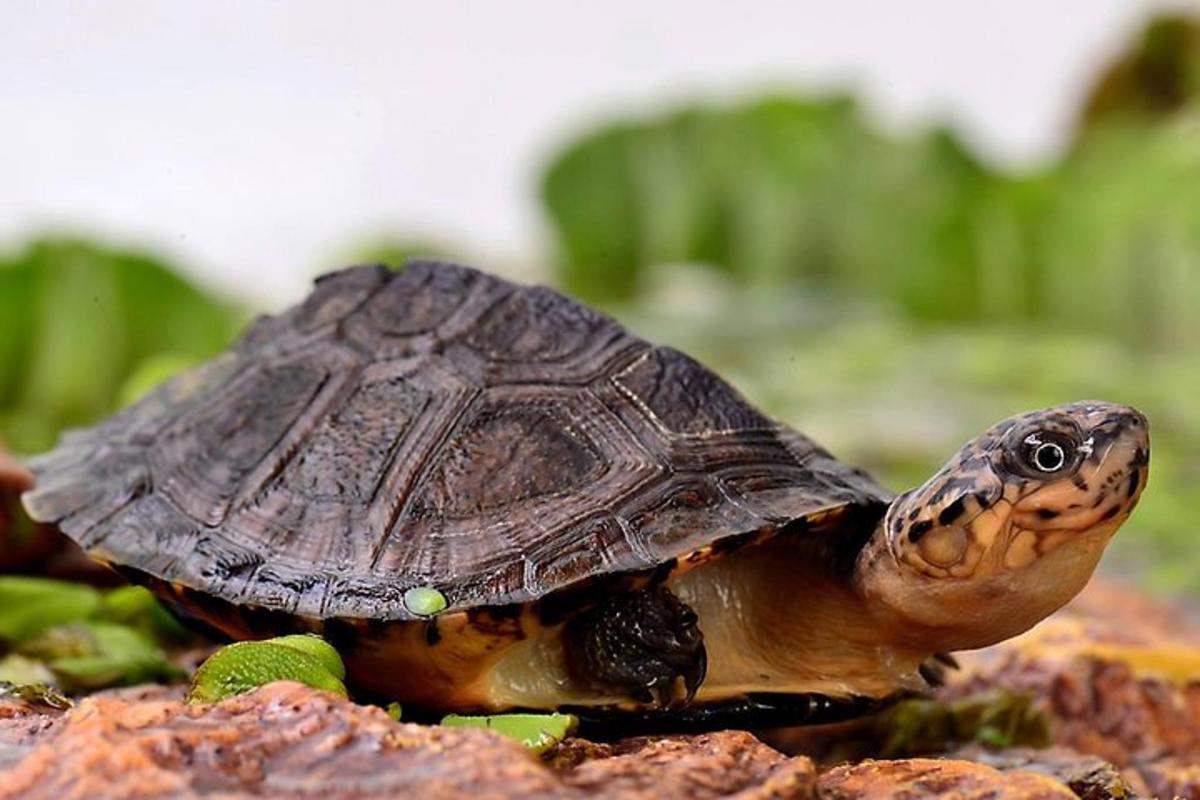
<point>948,659</point>
<point>695,676</point>
<point>934,668</point>
<point>664,691</point>
<point>641,644</point>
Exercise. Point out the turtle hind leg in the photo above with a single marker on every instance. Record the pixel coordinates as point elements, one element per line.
<point>640,644</point>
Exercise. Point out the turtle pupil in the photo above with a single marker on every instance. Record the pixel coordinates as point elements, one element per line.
<point>1049,457</point>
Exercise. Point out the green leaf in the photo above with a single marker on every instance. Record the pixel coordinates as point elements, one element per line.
<point>395,711</point>
<point>137,607</point>
<point>77,318</point>
<point>995,718</point>
<point>92,655</point>
<point>318,648</point>
<point>538,732</point>
<point>31,605</point>
<point>150,373</point>
<point>245,666</point>
<point>35,694</point>
<point>19,670</point>
<point>424,601</point>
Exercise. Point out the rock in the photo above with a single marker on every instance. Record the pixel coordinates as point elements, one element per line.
<point>1089,777</point>
<point>288,740</point>
<point>22,725</point>
<point>282,740</point>
<point>933,777</point>
<point>1170,777</point>
<point>1118,673</point>
<point>725,764</point>
<point>1119,676</point>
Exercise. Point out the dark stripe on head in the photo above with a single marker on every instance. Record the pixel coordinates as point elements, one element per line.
<point>952,511</point>
<point>919,529</point>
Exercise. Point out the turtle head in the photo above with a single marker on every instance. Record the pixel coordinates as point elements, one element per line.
<point>1010,529</point>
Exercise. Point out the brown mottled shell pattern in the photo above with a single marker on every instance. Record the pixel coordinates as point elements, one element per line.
<point>431,427</point>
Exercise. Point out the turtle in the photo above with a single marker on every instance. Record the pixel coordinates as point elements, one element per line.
<point>490,497</point>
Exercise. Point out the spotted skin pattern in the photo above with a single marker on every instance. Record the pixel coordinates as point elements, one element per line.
<point>990,475</point>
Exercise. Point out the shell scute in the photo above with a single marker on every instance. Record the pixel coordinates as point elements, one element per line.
<point>204,460</point>
<point>685,397</point>
<point>510,454</point>
<point>584,550</point>
<point>681,515</point>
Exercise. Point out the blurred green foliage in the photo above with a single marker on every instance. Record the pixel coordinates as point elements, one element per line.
<point>394,251</point>
<point>77,318</point>
<point>787,189</point>
<point>996,719</point>
<point>893,294</point>
<point>76,638</point>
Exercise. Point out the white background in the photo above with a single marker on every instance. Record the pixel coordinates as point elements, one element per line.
<point>257,141</point>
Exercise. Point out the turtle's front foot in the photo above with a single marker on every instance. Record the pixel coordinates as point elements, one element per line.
<point>641,644</point>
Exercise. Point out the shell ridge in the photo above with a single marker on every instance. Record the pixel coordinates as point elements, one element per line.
<point>420,473</point>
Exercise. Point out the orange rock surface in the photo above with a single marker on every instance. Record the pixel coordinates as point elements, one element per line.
<point>932,777</point>
<point>1118,675</point>
<point>286,740</point>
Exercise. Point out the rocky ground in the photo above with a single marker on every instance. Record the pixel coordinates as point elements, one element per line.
<point>1113,674</point>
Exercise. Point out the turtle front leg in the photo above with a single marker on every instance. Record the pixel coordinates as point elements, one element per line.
<point>640,644</point>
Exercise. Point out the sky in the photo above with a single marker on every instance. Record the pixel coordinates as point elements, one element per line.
<point>258,142</point>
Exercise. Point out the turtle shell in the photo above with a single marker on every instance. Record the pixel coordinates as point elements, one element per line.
<point>435,427</point>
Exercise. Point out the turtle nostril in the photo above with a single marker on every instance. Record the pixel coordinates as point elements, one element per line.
<point>1131,418</point>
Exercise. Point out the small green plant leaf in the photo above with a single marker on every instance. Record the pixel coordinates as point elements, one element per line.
<point>996,718</point>
<point>245,666</point>
<point>35,694</point>
<point>92,655</point>
<point>318,648</point>
<point>137,607</point>
<point>394,711</point>
<point>538,732</point>
<point>29,606</point>
<point>424,601</point>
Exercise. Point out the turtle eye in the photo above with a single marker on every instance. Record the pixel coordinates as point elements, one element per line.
<point>1049,457</point>
<point>1047,453</point>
